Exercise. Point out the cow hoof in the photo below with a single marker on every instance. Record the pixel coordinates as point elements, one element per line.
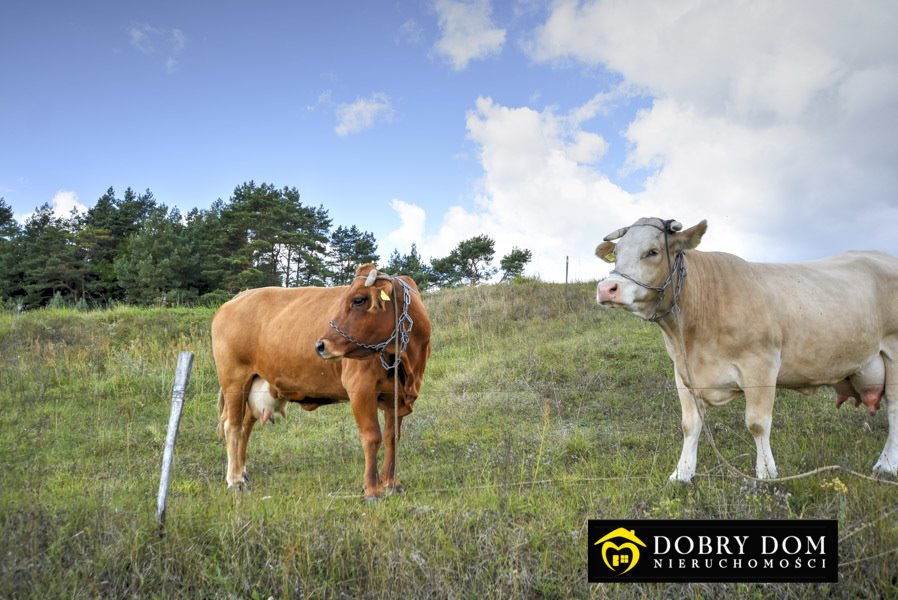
<point>676,477</point>
<point>395,489</point>
<point>239,486</point>
<point>881,471</point>
<point>372,499</point>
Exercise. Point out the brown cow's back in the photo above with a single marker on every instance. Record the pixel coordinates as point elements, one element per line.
<point>271,332</point>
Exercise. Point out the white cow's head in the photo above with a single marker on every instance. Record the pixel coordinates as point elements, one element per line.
<point>644,256</point>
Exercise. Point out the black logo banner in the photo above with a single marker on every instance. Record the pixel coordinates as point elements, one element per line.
<point>761,551</point>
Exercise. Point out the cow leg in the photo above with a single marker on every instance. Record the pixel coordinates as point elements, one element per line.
<point>232,418</point>
<point>389,470</point>
<point>249,419</point>
<point>693,413</point>
<point>888,459</point>
<point>758,419</point>
<point>364,409</point>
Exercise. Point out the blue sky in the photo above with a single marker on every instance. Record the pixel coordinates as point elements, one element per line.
<point>543,125</point>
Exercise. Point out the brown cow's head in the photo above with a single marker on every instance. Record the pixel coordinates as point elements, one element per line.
<point>643,257</point>
<point>364,319</point>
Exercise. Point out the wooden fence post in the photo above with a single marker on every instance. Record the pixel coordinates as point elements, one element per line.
<point>182,378</point>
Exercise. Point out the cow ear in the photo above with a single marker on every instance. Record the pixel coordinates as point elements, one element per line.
<point>605,251</point>
<point>380,297</point>
<point>386,294</point>
<point>692,236</point>
<point>376,303</point>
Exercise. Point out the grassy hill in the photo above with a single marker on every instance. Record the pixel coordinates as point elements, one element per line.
<point>539,411</point>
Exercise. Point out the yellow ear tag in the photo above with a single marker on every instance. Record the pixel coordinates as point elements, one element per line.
<point>610,257</point>
<point>384,297</point>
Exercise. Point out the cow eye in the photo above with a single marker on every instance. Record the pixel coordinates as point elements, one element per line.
<point>651,253</point>
<point>359,301</point>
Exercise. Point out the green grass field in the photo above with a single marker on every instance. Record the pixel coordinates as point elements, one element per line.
<point>539,412</point>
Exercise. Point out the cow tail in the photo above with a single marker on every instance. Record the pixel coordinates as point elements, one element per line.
<point>221,415</point>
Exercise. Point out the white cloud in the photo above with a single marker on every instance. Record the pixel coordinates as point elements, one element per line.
<point>64,204</point>
<point>325,99</point>
<point>537,192</point>
<point>177,41</point>
<point>771,119</point>
<point>760,57</point>
<point>410,32</point>
<point>363,114</point>
<point>411,229</point>
<point>142,37</point>
<point>150,40</point>
<point>467,31</point>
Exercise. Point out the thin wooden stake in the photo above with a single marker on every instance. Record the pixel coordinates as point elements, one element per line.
<point>182,378</point>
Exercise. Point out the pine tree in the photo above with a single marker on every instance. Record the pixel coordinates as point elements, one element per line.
<point>513,263</point>
<point>10,272</point>
<point>470,263</point>
<point>157,263</point>
<point>270,238</point>
<point>50,259</point>
<point>412,265</point>
<point>101,235</point>
<point>349,248</point>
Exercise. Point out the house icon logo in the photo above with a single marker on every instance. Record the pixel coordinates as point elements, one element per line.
<point>617,555</point>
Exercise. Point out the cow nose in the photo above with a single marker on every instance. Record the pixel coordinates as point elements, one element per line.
<point>319,348</point>
<point>608,291</point>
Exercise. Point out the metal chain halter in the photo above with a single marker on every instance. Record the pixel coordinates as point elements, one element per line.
<point>678,267</point>
<point>402,329</point>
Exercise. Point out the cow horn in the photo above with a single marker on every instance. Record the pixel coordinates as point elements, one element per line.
<point>372,277</point>
<point>675,226</point>
<point>617,234</point>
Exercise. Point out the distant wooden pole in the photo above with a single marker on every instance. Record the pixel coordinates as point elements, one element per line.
<point>182,378</point>
<point>566,261</point>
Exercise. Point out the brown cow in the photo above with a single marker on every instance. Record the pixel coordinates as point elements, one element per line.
<point>289,342</point>
<point>731,326</point>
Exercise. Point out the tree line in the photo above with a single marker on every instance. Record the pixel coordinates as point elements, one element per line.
<point>136,250</point>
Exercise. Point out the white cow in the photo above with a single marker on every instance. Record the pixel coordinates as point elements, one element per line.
<point>731,326</point>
